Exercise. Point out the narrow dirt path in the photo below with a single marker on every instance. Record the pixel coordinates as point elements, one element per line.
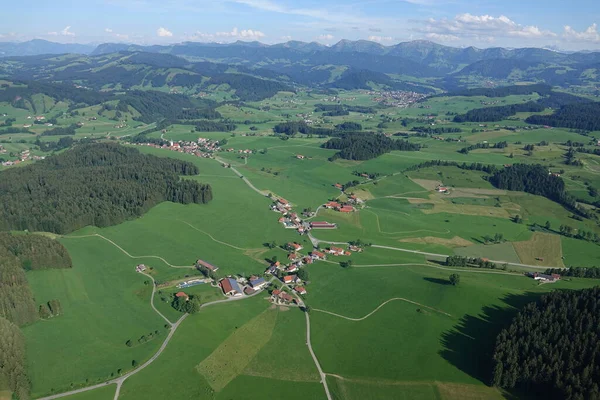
<point>383,304</point>
<point>127,253</point>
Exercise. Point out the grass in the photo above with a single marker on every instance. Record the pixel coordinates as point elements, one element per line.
<point>105,303</point>
<point>104,393</point>
<point>236,352</point>
<point>542,249</point>
<point>502,251</point>
<point>174,374</point>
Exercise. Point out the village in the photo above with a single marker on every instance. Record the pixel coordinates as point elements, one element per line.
<point>203,147</point>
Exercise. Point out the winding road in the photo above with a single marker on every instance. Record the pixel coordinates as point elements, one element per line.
<point>377,309</point>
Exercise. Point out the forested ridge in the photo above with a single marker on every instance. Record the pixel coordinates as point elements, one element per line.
<point>502,91</point>
<point>93,184</point>
<point>552,347</point>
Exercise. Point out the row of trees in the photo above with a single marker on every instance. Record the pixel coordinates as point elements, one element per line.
<point>499,145</point>
<point>435,131</point>
<point>355,146</point>
<point>344,109</point>
<point>552,347</point>
<point>487,168</point>
<point>93,184</point>
<point>577,272</point>
<point>472,262</point>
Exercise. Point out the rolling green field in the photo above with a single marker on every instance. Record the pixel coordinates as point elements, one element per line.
<point>388,327</point>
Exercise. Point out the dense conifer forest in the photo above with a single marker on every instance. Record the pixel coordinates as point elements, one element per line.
<point>573,116</point>
<point>357,146</point>
<point>552,347</point>
<point>93,184</point>
<point>13,374</point>
<point>533,179</point>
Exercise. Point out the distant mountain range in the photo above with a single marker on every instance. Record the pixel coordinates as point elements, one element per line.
<point>418,65</point>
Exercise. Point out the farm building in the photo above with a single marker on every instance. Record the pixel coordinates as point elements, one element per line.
<point>257,283</point>
<point>346,209</point>
<point>543,277</point>
<point>294,246</point>
<point>230,287</point>
<point>293,256</point>
<point>317,255</point>
<point>140,268</point>
<point>283,202</point>
<point>191,283</point>
<point>279,296</point>
<point>210,267</point>
<point>322,225</point>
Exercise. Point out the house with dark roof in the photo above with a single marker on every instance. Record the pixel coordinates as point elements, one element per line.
<point>257,283</point>
<point>230,287</point>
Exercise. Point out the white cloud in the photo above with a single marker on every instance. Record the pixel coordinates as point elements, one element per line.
<point>244,34</point>
<point>380,39</point>
<point>441,37</point>
<point>108,30</point>
<point>591,34</point>
<point>327,37</point>
<point>480,27</point>
<point>163,32</point>
<point>64,32</point>
<point>286,38</point>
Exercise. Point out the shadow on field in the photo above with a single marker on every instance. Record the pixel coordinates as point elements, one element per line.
<point>437,280</point>
<point>469,346</point>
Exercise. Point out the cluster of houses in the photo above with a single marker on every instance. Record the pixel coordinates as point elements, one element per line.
<point>201,148</point>
<point>544,278</point>
<point>25,155</point>
<point>291,220</point>
<point>237,287</point>
<point>343,208</point>
<point>398,99</point>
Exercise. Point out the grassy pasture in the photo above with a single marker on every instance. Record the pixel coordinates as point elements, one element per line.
<point>101,283</point>
<point>542,249</point>
<point>104,393</point>
<point>235,353</point>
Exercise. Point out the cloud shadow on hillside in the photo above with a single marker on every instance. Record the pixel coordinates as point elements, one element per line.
<point>469,345</point>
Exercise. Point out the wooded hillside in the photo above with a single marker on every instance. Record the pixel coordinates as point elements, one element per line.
<point>93,184</point>
<point>13,376</point>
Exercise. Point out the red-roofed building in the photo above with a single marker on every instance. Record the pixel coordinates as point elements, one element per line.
<point>293,256</point>
<point>183,295</point>
<point>283,202</point>
<point>337,185</point>
<point>336,251</point>
<point>317,255</point>
<point>290,279</point>
<point>346,209</point>
<point>322,225</point>
<point>294,246</point>
<point>300,289</point>
<point>333,204</point>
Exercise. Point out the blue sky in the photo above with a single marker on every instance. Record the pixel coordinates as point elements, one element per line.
<point>481,23</point>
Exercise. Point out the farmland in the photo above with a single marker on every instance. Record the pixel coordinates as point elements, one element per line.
<point>388,326</point>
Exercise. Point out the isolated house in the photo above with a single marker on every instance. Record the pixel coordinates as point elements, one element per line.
<point>210,267</point>
<point>230,287</point>
<point>140,268</point>
<point>182,295</point>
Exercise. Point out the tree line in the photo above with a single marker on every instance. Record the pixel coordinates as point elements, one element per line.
<point>552,347</point>
<point>344,109</point>
<point>13,368</point>
<point>357,146</point>
<point>502,91</point>
<point>435,131</point>
<point>471,262</point>
<point>577,272</point>
<point>499,145</point>
<point>93,184</point>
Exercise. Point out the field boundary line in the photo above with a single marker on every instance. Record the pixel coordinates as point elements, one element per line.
<point>380,306</point>
<point>152,299</point>
<point>471,270</point>
<point>126,253</point>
